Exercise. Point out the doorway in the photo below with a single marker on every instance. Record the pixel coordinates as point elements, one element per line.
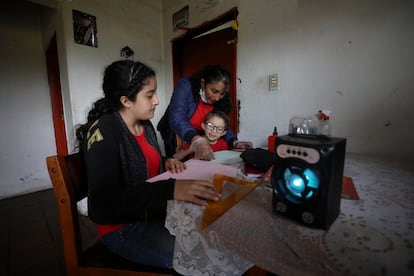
<point>201,46</point>
<point>53,74</point>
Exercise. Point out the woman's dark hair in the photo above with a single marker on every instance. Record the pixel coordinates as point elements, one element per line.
<point>209,74</point>
<point>121,78</point>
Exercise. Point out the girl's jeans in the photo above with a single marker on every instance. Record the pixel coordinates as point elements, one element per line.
<point>146,242</point>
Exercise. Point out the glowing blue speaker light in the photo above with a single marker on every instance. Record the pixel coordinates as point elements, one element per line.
<point>295,184</point>
<point>313,180</point>
<point>301,184</point>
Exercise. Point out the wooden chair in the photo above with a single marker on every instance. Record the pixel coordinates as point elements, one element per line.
<point>179,143</point>
<point>68,177</point>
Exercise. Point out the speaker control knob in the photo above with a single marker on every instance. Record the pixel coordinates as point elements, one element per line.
<point>281,207</point>
<point>309,155</point>
<point>308,217</point>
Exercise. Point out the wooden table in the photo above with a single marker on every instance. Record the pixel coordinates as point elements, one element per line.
<point>372,236</point>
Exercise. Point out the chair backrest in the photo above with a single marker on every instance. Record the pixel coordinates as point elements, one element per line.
<point>68,177</point>
<point>179,145</point>
<point>67,196</point>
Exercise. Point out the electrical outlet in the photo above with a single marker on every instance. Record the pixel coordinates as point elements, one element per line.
<point>273,82</point>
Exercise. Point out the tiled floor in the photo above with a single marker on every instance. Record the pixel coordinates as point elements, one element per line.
<point>30,239</point>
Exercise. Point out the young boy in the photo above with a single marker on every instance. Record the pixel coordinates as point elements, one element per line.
<point>215,125</point>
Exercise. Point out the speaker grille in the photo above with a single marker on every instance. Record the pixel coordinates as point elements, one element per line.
<point>299,185</point>
<point>307,178</point>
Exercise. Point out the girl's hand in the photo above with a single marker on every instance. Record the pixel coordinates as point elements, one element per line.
<point>174,165</point>
<point>196,191</point>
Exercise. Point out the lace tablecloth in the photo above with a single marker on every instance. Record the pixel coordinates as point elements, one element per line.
<point>199,252</point>
<point>372,236</point>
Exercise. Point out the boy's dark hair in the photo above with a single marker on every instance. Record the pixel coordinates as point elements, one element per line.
<point>220,114</point>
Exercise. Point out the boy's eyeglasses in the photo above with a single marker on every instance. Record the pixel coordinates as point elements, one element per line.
<point>215,128</point>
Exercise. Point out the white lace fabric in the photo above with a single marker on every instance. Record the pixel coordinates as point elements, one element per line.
<point>199,252</point>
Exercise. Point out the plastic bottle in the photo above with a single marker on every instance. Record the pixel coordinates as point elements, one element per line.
<point>325,126</point>
<point>271,140</point>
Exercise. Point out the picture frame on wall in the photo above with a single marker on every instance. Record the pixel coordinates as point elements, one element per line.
<point>180,18</point>
<point>85,29</point>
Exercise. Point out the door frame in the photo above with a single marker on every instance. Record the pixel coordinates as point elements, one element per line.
<point>53,74</point>
<point>190,34</point>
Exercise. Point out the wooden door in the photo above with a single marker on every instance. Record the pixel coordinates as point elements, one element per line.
<point>196,49</point>
<point>53,74</point>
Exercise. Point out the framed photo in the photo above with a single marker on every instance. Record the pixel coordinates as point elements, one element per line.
<point>180,18</point>
<point>84,28</point>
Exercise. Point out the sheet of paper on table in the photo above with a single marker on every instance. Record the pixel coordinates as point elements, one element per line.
<point>198,169</point>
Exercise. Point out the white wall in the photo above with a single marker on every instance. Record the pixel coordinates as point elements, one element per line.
<point>25,113</point>
<point>27,134</point>
<point>119,23</point>
<point>352,57</point>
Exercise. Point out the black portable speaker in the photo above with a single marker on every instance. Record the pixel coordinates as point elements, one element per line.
<point>307,178</point>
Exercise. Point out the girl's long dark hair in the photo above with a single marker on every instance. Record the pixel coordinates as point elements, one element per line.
<point>211,73</point>
<point>121,78</point>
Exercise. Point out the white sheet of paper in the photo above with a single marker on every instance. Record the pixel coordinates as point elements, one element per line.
<point>198,169</point>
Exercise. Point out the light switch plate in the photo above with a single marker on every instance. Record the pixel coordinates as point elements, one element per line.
<point>273,82</point>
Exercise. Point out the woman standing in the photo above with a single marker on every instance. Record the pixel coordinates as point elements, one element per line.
<point>121,152</point>
<point>193,97</point>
